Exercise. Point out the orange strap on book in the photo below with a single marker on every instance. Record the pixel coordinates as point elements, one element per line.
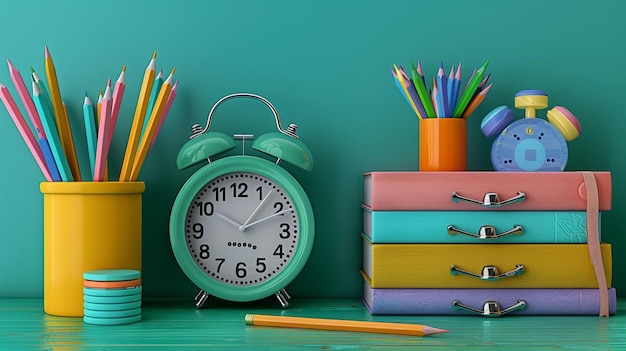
<point>593,240</point>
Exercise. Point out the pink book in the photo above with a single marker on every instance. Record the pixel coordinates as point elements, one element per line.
<point>474,191</point>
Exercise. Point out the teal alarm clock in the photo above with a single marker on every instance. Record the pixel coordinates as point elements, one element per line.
<point>242,227</point>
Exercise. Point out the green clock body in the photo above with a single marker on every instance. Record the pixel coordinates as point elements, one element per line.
<point>242,228</point>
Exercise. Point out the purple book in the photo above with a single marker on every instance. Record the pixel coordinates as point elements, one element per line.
<point>486,302</point>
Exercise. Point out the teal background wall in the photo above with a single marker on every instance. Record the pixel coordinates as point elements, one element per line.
<point>325,65</point>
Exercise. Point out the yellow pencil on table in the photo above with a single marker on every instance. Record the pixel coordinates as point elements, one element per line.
<point>65,132</point>
<point>140,111</point>
<point>151,127</point>
<point>341,325</point>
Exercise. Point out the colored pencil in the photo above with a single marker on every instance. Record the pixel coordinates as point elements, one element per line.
<point>91,132</point>
<point>99,107</point>
<point>420,71</point>
<point>469,91</point>
<point>476,101</point>
<point>457,87</point>
<point>24,130</point>
<point>135,131</point>
<point>438,99</point>
<point>60,113</point>
<point>156,87</point>
<point>166,110</point>
<point>399,86</point>
<point>481,86</point>
<point>341,325</point>
<point>418,81</point>
<point>406,91</point>
<point>146,138</point>
<point>43,91</point>
<point>413,94</point>
<point>27,100</point>
<point>442,87</point>
<point>450,84</point>
<point>49,157</point>
<point>118,94</point>
<point>35,120</point>
<point>49,125</point>
<point>102,149</point>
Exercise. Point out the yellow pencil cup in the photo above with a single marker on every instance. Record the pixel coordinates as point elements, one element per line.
<point>87,226</point>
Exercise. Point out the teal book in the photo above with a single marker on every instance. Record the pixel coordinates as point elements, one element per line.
<point>459,227</point>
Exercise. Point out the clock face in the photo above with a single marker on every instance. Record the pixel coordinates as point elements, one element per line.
<point>242,228</point>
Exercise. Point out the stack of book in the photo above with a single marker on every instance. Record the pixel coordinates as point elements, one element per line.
<point>488,243</point>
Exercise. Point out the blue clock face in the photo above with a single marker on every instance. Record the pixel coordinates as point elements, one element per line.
<point>241,228</point>
<point>529,144</point>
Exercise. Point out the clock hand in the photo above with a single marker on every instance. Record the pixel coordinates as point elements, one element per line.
<point>257,208</point>
<point>266,218</point>
<point>231,221</point>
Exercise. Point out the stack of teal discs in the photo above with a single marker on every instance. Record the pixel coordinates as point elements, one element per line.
<point>112,297</point>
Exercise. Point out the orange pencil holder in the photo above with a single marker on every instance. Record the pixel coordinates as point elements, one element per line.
<point>87,226</point>
<point>443,144</point>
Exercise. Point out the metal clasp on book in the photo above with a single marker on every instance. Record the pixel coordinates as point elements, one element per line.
<point>490,199</point>
<point>490,308</point>
<point>486,232</point>
<point>489,273</point>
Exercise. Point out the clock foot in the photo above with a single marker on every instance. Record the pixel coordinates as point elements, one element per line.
<point>201,298</point>
<point>283,298</point>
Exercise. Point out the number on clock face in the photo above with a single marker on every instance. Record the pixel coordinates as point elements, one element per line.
<point>242,228</point>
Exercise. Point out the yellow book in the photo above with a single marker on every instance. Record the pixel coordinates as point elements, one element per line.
<point>482,265</point>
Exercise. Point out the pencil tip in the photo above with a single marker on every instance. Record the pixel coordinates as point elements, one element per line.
<point>124,68</point>
<point>154,55</point>
<point>47,52</point>
<point>109,83</point>
<point>32,70</point>
<point>9,62</point>
<point>173,71</point>
<point>430,330</point>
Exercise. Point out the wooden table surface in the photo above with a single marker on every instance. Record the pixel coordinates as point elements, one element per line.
<point>178,325</point>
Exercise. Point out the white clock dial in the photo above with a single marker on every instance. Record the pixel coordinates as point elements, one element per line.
<point>242,229</point>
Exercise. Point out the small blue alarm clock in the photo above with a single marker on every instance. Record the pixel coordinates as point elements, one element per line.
<point>530,144</point>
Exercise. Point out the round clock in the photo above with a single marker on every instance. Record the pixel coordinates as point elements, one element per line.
<point>242,227</point>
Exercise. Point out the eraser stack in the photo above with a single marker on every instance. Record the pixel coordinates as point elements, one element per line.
<point>112,297</point>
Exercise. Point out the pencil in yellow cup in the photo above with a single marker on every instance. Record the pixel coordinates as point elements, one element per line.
<point>151,127</point>
<point>140,111</point>
<point>60,113</point>
<point>341,325</point>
